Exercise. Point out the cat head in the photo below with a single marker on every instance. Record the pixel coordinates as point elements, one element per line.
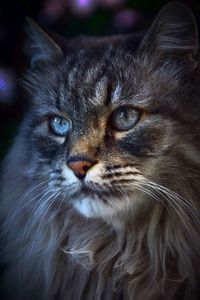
<point>114,118</point>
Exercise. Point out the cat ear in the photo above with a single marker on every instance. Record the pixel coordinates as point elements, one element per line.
<point>174,31</point>
<point>43,48</point>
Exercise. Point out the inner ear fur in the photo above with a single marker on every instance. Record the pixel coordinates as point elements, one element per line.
<point>174,31</point>
<point>43,47</point>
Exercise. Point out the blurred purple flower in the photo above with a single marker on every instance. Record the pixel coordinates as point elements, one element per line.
<point>126,19</point>
<point>82,7</point>
<point>83,3</point>
<point>3,84</point>
<point>7,85</point>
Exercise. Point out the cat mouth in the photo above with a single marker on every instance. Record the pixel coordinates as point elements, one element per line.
<point>93,200</point>
<point>91,191</point>
<point>94,190</point>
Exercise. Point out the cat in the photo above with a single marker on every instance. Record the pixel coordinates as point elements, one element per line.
<point>100,190</point>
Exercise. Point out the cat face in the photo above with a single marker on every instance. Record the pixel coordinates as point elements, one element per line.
<point>110,115</point>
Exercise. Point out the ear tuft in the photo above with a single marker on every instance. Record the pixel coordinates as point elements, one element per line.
<point>43,46</point>
<point>173,31</point>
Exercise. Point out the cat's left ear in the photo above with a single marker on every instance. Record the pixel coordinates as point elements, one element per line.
<point>174,31</point>
<point>43,48</point>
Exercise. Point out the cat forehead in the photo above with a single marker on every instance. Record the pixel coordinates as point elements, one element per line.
<point>110,74</point>
<point>100,92</point>
<point>120,81</point>
<point>97,78</point>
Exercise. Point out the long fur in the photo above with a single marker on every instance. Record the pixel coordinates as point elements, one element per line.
<point>142,241</point>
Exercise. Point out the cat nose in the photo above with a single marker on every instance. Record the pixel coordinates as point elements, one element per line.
<point>80,166</point>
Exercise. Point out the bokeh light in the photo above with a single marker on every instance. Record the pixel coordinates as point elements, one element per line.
<point>7,85</point>
<point>53,9</point>
<point>84,3</point>
<point>126,19</point>
<point>82,7</point>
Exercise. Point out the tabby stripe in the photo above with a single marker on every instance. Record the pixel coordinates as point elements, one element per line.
<point>110,168</point>
<point>119,174</point>
<point>109,93</point>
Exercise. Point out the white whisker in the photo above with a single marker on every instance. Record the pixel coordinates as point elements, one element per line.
<point>175,202</point>
<point>182,201</point>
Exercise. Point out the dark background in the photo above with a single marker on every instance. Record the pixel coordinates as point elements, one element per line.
<point>68,18</point>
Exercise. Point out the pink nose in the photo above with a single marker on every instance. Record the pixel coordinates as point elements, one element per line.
<point>80,166</point>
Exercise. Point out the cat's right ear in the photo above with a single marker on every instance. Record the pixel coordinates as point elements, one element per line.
<point>43,48</point>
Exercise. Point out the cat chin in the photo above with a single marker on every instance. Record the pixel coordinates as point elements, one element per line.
<point>95,208</point>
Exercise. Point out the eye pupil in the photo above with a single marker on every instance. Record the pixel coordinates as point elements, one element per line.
<point>122,115</point>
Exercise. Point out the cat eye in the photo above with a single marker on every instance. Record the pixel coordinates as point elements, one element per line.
<point>60,126</point>
<point>124,118</point>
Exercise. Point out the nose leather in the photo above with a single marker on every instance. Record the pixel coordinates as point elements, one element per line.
<point>80,167</point>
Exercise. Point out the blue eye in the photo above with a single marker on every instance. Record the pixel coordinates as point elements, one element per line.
<point>60,126</point>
